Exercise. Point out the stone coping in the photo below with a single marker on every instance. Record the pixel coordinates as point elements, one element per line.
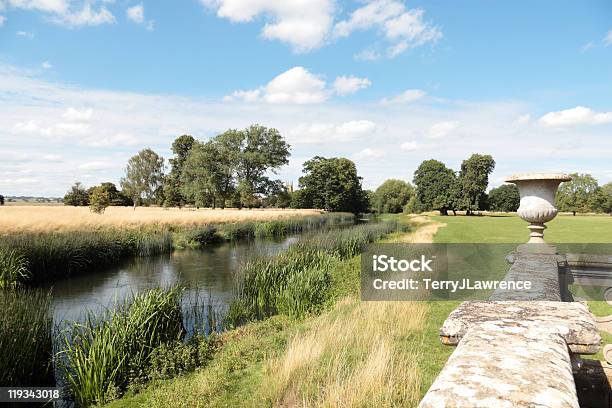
<point>572,321</point>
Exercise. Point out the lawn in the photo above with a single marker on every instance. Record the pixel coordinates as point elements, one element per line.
<point>54,218</point>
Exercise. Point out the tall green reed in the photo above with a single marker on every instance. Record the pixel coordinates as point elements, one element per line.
<point>13,269</point>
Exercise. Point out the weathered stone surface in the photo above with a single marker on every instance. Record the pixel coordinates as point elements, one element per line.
<point>541,270</point>
<point>570,320</point>
<point>506,365</point>
<point>589,260</point>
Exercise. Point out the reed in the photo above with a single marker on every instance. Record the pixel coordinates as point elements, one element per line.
<point>13,269</point>
<point>25,338</point>
<point>107,352</point>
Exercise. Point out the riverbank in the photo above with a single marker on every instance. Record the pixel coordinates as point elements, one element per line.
<point>348,353</point>
<point>35,258</point>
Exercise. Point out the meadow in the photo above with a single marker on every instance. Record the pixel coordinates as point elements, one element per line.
<point>55,218</point>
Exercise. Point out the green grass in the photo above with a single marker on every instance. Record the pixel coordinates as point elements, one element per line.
<point>511,229</point>
<point>25,338</point>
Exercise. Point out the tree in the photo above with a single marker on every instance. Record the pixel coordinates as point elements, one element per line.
<point>144,174</point>
<point>473,181</point>
<point>576,195</point>
<point>181,147</point>
<point>77,195</point>
<point>264,150</point>
<point>1,199</point>
<point>99,199</point>
<point>504,198</point>
<point>332,184</point>
<point>602,199</point>
<point>435,187</point>
<point>392,196</point>
<point>200,175</point>
<point>116,197</point>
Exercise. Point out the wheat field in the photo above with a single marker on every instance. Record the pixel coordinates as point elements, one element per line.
<point>54,218</point>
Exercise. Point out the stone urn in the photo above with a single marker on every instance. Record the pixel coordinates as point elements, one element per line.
<point>537,191</point>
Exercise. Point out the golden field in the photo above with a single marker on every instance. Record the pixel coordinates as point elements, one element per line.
<point>55,218</point>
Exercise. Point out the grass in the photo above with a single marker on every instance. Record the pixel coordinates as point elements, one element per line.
<point>106,353</point>
<point>52,255</point>
<point>44,219</point>
<point>25,338</point>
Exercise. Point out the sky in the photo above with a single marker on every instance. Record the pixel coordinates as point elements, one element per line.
<point>86,84</point>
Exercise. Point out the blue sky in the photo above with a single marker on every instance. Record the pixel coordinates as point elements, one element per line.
<point>388,83</point>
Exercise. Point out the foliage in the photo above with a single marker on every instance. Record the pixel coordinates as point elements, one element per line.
<point>181,147</point>
<point>603,199</point>
<point>103,355</point>
<point>331,184</point>
<point>392,196</point>
<point>77,195</point>
<point>576,195</point>
<point>13,269</point>
<point>115,197</point>
<point>1,199</point>
<point>504,198</point>
<point>472,182</point>
<point>435,186</point>
<point>143,176</point>
<point>25,343</point>
<point>178,358</point>
<point>99,199</point>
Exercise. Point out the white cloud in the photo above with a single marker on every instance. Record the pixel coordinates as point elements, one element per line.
<point>608,38</point>
<point>2,20</point>
<point>46,65</point>
<point>303,24</point>
<point>442,129</point>
<point>27,34</point>
<point>294,86</point>
<point>344,85</point>
<point>50,6</point>
<point>367,55</point>
<point>575,116</point>
<point>316,133</point>
<point>85,17</point>
<point>136,13</point>
<point>408,96</point>
<point>410,146</point>
<point>523,119</point>
<point>369,153</point>
<point>76,115</point>
<point>119,139</point>
<point>403,28</point>
<point>96,165</point>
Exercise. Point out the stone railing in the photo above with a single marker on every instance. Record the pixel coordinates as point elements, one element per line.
<point>517,349</point>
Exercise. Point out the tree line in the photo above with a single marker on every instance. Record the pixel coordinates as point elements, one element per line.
<point>232,169</point>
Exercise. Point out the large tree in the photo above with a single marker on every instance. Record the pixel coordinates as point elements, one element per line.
<point>332,184</point>
<point>604,199</point>
<point>576,195</point>
<point>144,176</point>
<point>472,182</point>
<point>435,187</point>
<point>504,198</point>
<point>77,195</point>
<point>181,147</point>
<point>391,196</point>
<point>201,174</point>
<point>116,197</point>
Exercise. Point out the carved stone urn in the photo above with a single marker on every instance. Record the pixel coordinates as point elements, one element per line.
<point>537,191</point>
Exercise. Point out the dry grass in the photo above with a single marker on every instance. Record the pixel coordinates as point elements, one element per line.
<point>61,218</point>
<point>424,229</point>
<point>352,357</point>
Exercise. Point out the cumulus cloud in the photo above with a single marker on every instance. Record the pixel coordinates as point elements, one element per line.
<point>2,20</point>
<point>50,6</point>
<point>408,96</point>
<point>76,115</point>
<point>303,24</point>
<point>345,85</point>
<point>403,28</point>
<point>294,86</point>
<point>87,16</point>
<point>579,115</point>
<point>442,129</point>
<point>608,38</point>
<point>369,153</point>
<point>27,34</point>
<point>410,146</point>
<point>136,13</point>
<point>46,65</point>
<point>523,119</point>
<point>325,132</point>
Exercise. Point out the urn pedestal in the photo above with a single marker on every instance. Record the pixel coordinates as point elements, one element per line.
<point>537,207</point>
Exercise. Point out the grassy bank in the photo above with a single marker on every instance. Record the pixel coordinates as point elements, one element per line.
<point>25,338</point>
<point>55,255</point>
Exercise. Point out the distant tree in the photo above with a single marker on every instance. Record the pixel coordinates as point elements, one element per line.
<point>577,195</point>
<point>200,175</point>
<point>472,182</point>
<point>332,184</point>
<point>601,200</point>
<point>77,195</point>
<point>1,199</point>
<point>392,196</point>
<point>144,174</point>
<point>435,187</point>
<point>116,197</point>
<point>413,206</point>
<point>99,199</point>
<point>181,147</point>
<point>504,198</point>
<point>228,147</point>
